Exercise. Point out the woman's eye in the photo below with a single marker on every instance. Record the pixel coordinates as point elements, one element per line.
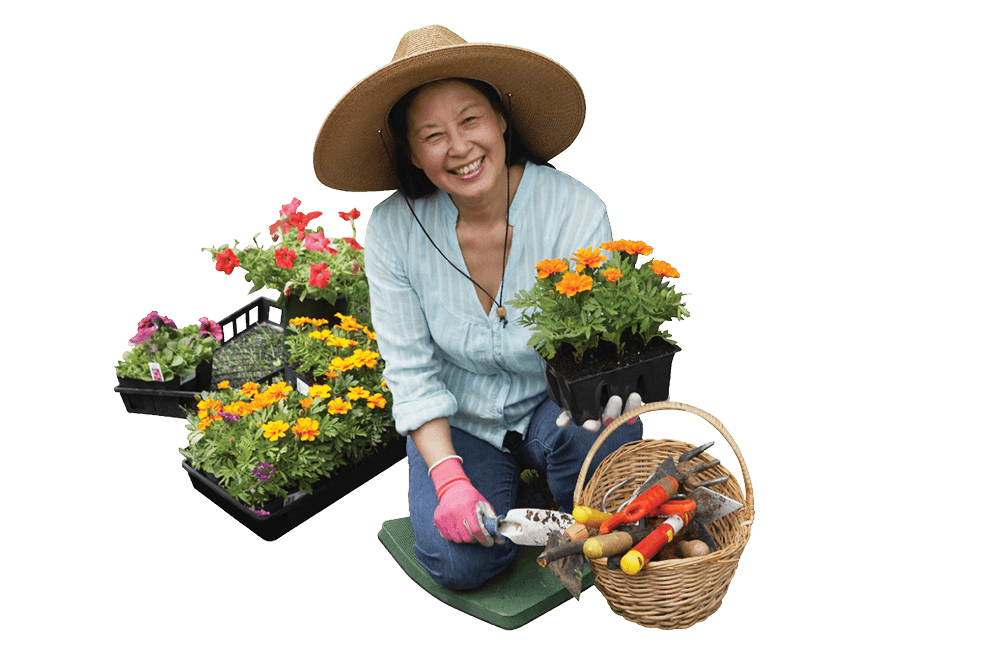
<point>470,119</point>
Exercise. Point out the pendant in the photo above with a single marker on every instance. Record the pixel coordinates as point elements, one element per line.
<point>501,312</point>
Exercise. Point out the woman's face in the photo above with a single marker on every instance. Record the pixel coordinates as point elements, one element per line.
<point>456,139</point>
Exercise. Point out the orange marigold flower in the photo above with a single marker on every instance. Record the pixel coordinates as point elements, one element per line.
<point>612,274</point>
<point>628,247</point>
<point>574,283</point>
<point>337,341</point>
<point>376,401</point>
<point>321,334</point>
<point>338,406</point>
<point>306,402</point>
<point>588,257</point>
<point>663,269</point>
<point>204,423</point>
<point>223,385</point>
<point>547,267</point>
<point>250,389</point>
<point>306,428</point>
<point>357,393</point>
<point>279,389</point>
<point>275,430</point>
<point>369,333</point>
<point>365,358</point>
<point>299,321</point>
<point>348,323</point>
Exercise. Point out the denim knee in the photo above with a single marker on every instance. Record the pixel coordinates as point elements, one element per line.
<point>461,567</point>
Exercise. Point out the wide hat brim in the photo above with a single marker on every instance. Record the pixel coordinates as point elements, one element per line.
<point>546,104</point>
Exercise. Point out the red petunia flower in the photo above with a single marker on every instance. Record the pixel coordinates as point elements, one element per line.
<point>316,241</point>
<point>291,207</point>
<point>353,242</point>
<point>353,214</point>
<point>226,261</point>
<point>284,258</point>
<point>318,275</point>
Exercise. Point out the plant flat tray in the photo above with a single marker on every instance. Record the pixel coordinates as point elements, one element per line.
<point>325,493</point>
<point>162,403</point>
<point>519,595</point>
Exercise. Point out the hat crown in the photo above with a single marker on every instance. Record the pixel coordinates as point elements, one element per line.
<point>426,39</point>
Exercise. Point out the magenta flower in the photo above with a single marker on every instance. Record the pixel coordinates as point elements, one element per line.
<point>261,512</point>
<point>210,328</point>
<point>316,241</point>
<point>290,208</point>
<point>148,325</point>
<point>264,471</point>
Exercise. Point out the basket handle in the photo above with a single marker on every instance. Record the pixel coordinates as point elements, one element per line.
<point>666,405</point>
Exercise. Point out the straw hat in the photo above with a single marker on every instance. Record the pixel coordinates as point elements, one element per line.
<point>546,104</point>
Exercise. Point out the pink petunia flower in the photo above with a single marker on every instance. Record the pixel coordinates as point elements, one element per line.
<point>291,207</point>
<point>316,241</point>
<point>210,328</point>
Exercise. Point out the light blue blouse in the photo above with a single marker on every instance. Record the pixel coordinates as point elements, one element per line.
<point>444,356</point>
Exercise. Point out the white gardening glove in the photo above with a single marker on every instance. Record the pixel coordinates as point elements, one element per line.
<point>612,410</point>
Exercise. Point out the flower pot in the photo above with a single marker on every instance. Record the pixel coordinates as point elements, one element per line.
<point>309,306</point>
<point>296,510</point>
<point>165,399</point>
<point>586,394</point>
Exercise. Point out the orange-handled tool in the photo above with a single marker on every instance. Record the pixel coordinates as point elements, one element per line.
<point>676,506</point>
<point>662,491</point>
<point>643,552</point>
<point>647,501</point>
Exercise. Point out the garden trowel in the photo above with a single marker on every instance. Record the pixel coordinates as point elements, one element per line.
<point>528,526</point>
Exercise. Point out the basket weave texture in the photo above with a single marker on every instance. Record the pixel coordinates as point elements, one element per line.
<point>677,593</point>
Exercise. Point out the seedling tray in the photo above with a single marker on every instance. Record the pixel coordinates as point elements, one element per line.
<point>252,350</point>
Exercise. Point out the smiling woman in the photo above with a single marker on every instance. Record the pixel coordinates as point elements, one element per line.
<point>477,207</point>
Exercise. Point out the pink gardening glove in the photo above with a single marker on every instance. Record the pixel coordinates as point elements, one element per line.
<point>456,516</point>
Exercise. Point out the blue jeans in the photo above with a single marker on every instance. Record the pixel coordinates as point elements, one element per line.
<point>558,452</point>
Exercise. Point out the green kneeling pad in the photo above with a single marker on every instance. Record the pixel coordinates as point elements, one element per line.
<point>520,594</point>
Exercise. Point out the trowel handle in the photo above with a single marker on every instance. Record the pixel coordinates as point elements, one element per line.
<point>490,523</point>
<point>662,491</point>
<point>591,518</point>
<point>643,552</point>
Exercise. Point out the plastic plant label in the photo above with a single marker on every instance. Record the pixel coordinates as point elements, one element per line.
<point>187,378</point>
<point>301,386</point>
<point>154,370</point>
<point>292,497</point>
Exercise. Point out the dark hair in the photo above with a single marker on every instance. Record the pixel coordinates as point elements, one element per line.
<point>412,181</point>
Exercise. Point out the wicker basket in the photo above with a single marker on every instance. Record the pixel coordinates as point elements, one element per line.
<point>667,594</point>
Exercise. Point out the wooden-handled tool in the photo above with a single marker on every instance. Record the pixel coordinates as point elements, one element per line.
<point>638,556</point>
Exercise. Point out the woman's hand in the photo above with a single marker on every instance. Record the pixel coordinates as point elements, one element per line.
<point>612,410</point>
<point>456,516</point>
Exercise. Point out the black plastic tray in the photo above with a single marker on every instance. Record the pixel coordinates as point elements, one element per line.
<point>325,492</point>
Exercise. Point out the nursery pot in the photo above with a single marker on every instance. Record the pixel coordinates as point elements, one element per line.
<point>165,399</point>
<point>297,305</point>
<point>584,395</point>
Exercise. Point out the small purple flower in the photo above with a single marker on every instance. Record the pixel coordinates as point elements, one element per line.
<point>230,416</point>
<point>261,512</point>
<point>264,471</point>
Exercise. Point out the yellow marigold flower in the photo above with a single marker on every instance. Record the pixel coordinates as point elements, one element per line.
<point>574,283</point>
<point>306,402</point>
<point>338,406</point>
<point>339,365</point>
<point>298,321</point>
<point>261,401</point>
<point>250,389</point>
<point>318,322</point>
<point>588,257</point>
<point>663,269</point>
<point>321,334</point>
<point>357,393</point>
<point>224,384</point>
<point>306,428</point>
<point>366,358</point>
<point>209,408</point>
<point>369,333</point>
<point>238,408</point>
<point>336,341</point>
<point>204,423</point>
<point>320,391</point>
<point>275,430</point>
<point>348,323</point>
<point>612,274</point>
<point>376,401</point>
<point>547,267</point>
<point>280,389</point>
